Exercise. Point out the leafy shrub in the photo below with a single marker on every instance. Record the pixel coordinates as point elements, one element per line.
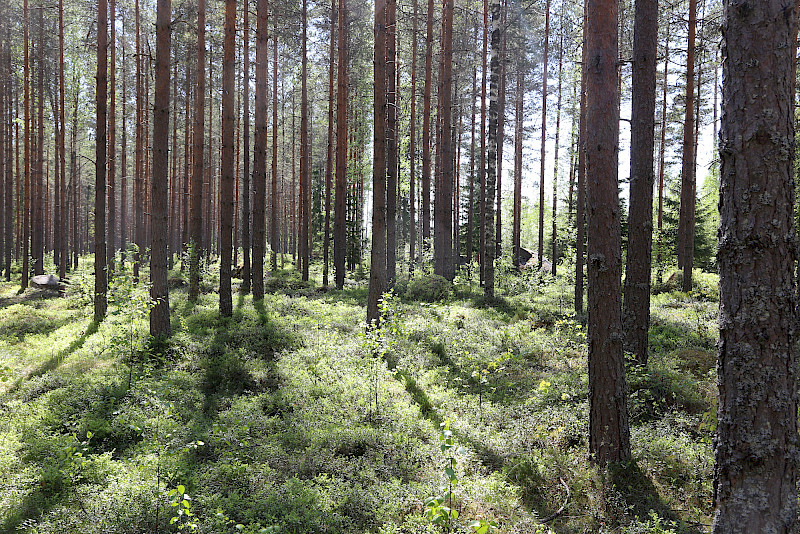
<point>429,288</point>
<point>287,280</point>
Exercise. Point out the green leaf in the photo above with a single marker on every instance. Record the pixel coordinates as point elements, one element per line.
<point>181,489</point>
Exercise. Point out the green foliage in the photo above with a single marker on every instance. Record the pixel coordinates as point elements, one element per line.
<point>428,288</point>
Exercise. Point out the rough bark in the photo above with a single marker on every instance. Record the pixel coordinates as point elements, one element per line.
<point>516,224</point>
<point>636,311</point>
<point>489,246</point>
<point>305,154</point>
<point>661,163</point>
<point>756,443</point>
<point>426,130</point>
<point>100,265</point>
<point>482,159</point>
<point>63,227</point>
<point>27,151</point>
<point>443,231</point>
<point>260,149</point>
<point>138,179</point>
<point>226,211</point>
<point>391,141</point>
<point>377,269</point>
<point>326,245</point>
<point>112,136</point>
<point>159,291</point>
<point>198,157</point>
<point>544,135</point>
<point>276,195</point>
<point>412,148</point>
<point>340,201</point>
<point>609,434</point>
<point>686,225</point>
<point>580,208</point>
<point>245,213</point>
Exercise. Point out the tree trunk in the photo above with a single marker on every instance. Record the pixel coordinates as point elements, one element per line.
<point>516,225</point>
<point>100,266</point>
<point>138,179</point>
<point>274,227</point>
<point>636,312</point>
<point>391,142</point>
<point>340,201</point>
<point>471,201</point>
<point>482,159</point>
<point>501,136</point>
<point>609,435</point>
<point>226,211</point>
<point>305,159</point>
<point>326,245</point>
<point>661,164</point>
<point>755,483</point>
<point>159,292</point>
<point>27,157</point>
<point>491,167</point>
<point>260,149</point>
<point>580,217</point>
<point>245,214</point>
<point>426,131</point>
<point>196,200</point>
<point>544,134</point>
<point>443,250</point>
<point>686,226</point>
<point>554,258</point>
<point>377,268</point>
<point>412,149</point>
<point>112,136</point>
<point>63,227</point>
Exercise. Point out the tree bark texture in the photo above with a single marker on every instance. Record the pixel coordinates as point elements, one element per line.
<point>443,231</point>
<point>426,130</point>
<point>245,214</point>
<point>198,157</point>
<point>226,211</point>
<point>260,149</point>
<point>340,200</point>
<point>636,311</point>
<point>756,443</point>
<point>159,291</point>
<point>377,268</point>
<point>686,225</point>
<point>609,435</point>
<point>489,245</point>
<point>100,267</point>
<point>391,141</point>
<point>540,257</point>
<point>326,244</point>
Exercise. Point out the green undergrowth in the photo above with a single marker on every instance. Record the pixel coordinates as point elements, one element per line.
<point>288,417</point>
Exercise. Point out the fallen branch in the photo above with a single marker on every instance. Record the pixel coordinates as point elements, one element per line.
<point>563,506</point>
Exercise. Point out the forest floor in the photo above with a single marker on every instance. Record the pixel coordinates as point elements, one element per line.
<point>288,418</point>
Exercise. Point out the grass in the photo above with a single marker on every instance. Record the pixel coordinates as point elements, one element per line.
<point>283,416</point>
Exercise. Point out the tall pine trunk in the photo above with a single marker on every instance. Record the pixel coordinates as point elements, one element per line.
<point>443,250</point>
<point>377,268</point>
<point>260,149</point>
<point>609,434</point>
<point>340,200</point>
<point>329,156</point>
<point>198,157</point>
<point>489,246</point>
<point>245,214</point>
<point>226,211</point>
<point>426,130</point>
<point>159,292</point>
<point>686,224</point>
<point>100,267</point>
<point>636,313</point>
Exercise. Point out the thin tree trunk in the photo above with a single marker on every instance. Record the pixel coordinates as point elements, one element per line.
<point>482,167</point>
<point>516,228</point>
<point>636,312</point>
<point>245,214</point>
<point>609,435</point>
<point>490,247</point>
<point>501,136</point>
<point>275,230</point>
<point>305,159</point>
<point>471,202</point>
<point>412,149</point>
<point>329,159</point>
<point>686,225</point>
<point>196,200</point>
<point>138,188</point>
<point>554,258</point>
<point>544,134</point>
<point>426,129</point>
<point>580,218</point>
<point>755,482</point>
<point>112,136</point>
<point>340,205</point>
<point>63,228</point>
<point>661,164</point>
